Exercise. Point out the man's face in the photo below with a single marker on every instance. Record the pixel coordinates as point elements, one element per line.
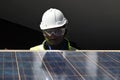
<point>54,36</point>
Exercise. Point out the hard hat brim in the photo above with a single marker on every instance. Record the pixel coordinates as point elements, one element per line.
<point>44,27</point>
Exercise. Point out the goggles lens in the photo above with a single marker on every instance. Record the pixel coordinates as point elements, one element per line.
<point>57,32</point>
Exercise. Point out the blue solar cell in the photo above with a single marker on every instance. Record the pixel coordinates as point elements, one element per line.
<point>8,72</point>
<point>1,59</point>
<point>1,72</point>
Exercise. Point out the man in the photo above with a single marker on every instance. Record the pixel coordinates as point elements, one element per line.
<point>53,26</point>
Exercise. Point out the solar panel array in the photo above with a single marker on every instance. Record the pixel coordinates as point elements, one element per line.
<point>59,65</point>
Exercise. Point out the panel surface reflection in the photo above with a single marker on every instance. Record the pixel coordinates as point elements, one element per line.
<point>59,65</point>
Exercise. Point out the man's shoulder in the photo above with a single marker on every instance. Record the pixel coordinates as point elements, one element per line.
<point>73,48</point>
<point>36,48</point>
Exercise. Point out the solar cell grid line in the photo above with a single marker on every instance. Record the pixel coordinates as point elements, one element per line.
<point>1,66</point>
<point>88,68</point>
<point>75,59</point>
<point>59,68</point>
<point>30,66</point>
<point>21,56</point>
<point>20,67</point>
<point>46,75</point>
<point>15,72</point>
<point>114,55</point>
<point>9,66</point>
<point>78,60</point>
<point>19,77</point>
<point>90,54</point>
<point>112,66</point>
<point>43,64</point>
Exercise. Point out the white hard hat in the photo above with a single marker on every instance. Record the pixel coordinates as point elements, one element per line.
<point>52,18</point>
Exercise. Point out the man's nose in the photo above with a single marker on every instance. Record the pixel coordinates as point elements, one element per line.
<point>52,35</point>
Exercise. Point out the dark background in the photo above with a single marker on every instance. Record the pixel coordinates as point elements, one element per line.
<point>93,24</point>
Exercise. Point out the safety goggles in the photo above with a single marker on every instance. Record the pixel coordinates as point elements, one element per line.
<point>57,32</point>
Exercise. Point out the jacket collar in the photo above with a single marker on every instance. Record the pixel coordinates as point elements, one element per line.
<point>65,43</point>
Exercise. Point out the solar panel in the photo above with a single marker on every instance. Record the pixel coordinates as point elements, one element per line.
<point>59,65</point>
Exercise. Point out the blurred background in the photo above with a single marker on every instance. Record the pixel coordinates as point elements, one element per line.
<point>93,24</point>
